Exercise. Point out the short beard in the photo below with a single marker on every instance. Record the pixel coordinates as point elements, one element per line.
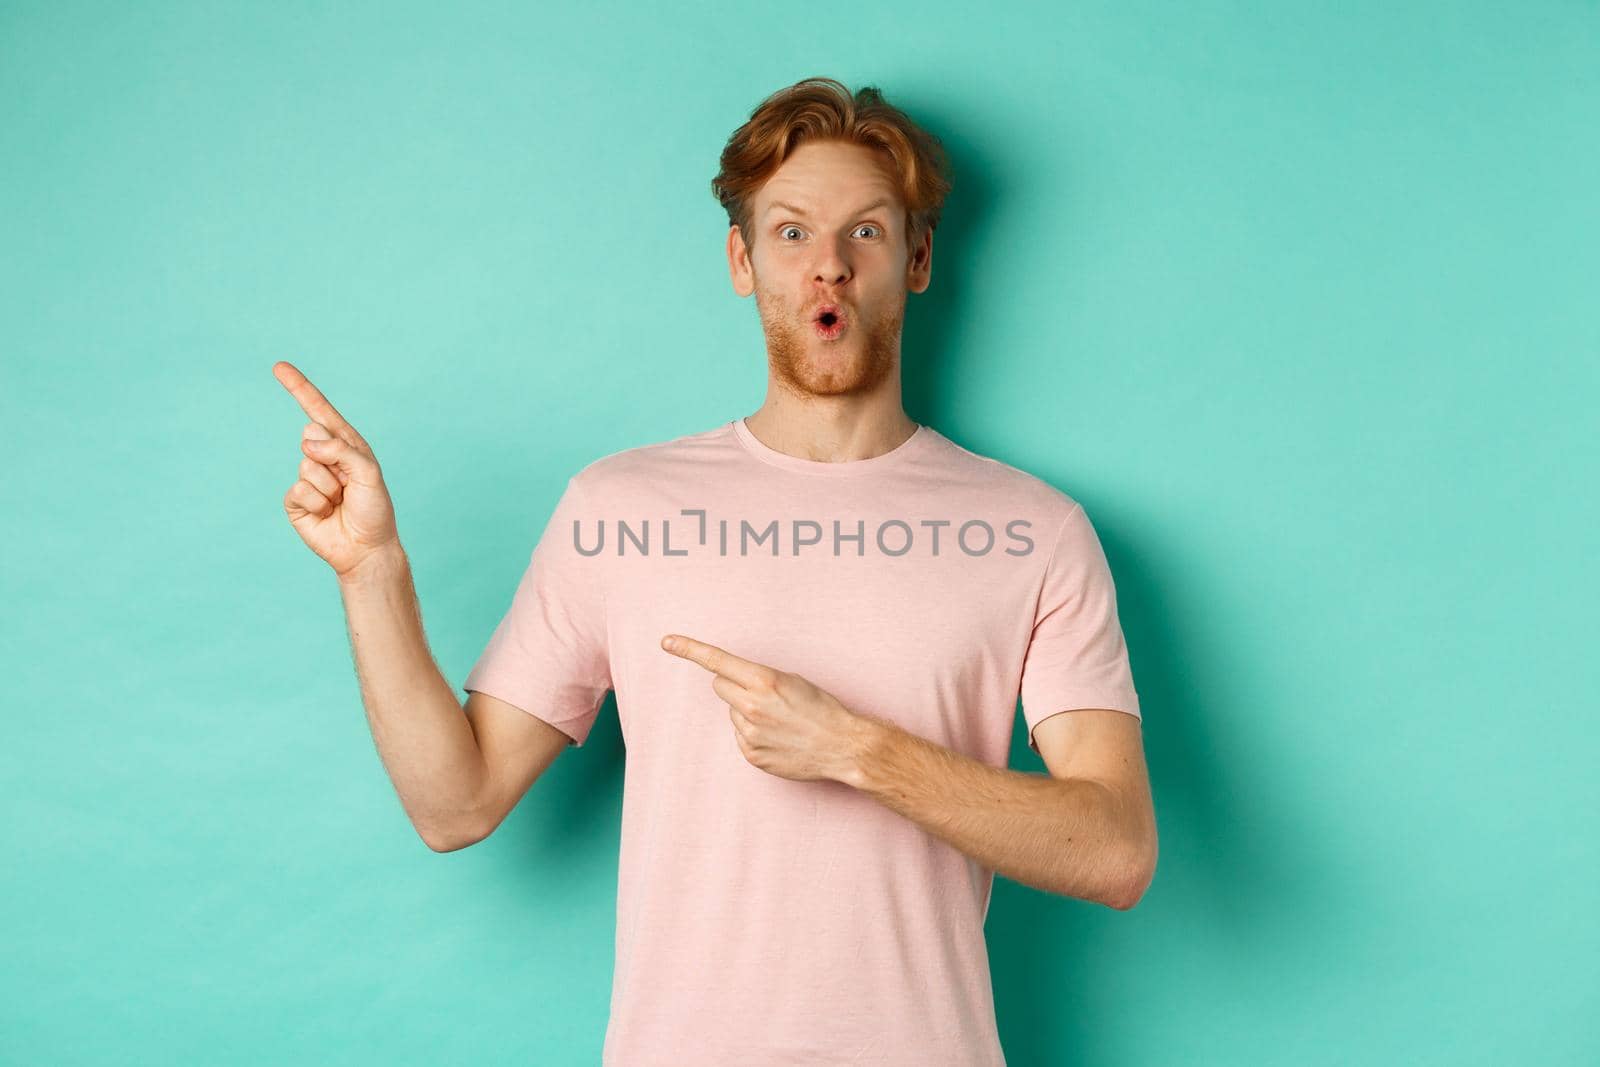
<point>856,364</point>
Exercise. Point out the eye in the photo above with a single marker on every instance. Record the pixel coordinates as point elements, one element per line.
<point>876,232</point>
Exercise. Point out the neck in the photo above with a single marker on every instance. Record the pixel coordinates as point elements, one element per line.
<point>831,429</point>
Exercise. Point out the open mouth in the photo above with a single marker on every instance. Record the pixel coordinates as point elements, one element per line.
<point>829,321</point>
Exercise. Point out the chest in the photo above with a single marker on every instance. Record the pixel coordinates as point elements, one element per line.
<point>933,644</point>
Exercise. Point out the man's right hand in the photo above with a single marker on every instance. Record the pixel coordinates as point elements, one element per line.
<point>340,506</point>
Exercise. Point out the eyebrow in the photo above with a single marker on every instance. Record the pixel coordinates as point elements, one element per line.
<point>799,211</point>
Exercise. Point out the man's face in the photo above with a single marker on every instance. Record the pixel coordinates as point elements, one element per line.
<point>828,232</point>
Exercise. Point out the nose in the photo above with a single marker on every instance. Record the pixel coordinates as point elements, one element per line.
<point>832,268</point>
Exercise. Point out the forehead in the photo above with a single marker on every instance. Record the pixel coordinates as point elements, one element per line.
<point>822,176</point>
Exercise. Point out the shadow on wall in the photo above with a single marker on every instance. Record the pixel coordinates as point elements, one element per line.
<point>1046,951</point>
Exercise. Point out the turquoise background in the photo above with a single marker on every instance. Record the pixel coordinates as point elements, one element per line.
<point>1298,300</point>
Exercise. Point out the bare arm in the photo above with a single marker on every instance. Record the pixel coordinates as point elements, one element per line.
<point>1076,836</point>
<point>425,742</point>
<point>456,773</point>
<point>517,748</point>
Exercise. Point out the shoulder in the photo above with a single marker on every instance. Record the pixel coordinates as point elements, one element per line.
<point>655,464</point>
<point>1007,483</point>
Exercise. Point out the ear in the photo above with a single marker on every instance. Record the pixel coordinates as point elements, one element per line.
<point>919,269</point>
<point>739,269</point>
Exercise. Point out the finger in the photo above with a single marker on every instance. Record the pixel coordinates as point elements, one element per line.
<point>307,498</point>
<point>325,480</point>
<point>718,660</point>
<point>736,695</point>
<point>315,431</point>
<point>741,730</point>
<point>311,400</point>
<point>338,455</point>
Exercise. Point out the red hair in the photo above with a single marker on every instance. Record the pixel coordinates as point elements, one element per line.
<point>822,109</point>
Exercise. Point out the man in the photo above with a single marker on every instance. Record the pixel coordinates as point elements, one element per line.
<point>817,621</point>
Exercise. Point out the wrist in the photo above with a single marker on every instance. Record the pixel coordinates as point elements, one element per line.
<point>379,566</point>
<point>865,740</point>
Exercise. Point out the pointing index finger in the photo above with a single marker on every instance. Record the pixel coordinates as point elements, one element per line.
<point>311,400</point>
<point>717,660</point>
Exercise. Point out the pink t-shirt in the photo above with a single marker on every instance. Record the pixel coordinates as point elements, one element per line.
<point>762,920</point>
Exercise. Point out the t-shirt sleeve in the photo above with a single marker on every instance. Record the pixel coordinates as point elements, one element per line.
<point>549,655</point>
<point>1076,655</point>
